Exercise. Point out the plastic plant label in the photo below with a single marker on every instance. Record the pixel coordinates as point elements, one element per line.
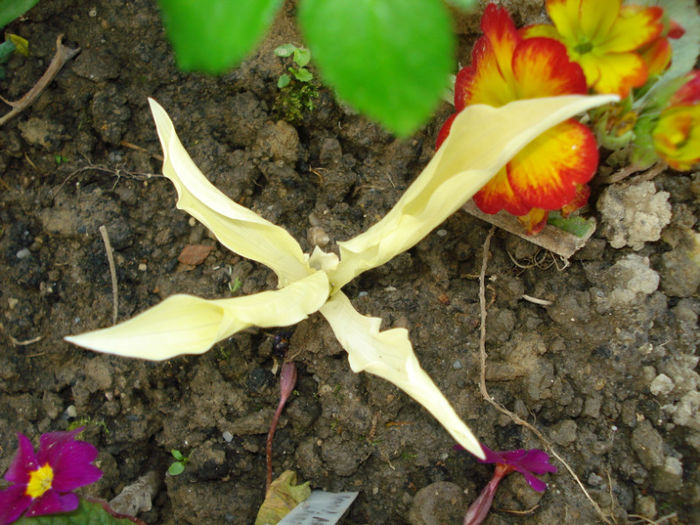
<point>321,508</point>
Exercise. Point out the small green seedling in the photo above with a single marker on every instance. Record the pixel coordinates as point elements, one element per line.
<point>178,466</point>
<point>301,57</point>
<point>235,285</point>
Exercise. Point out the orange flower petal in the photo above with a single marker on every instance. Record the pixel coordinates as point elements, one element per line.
<point>542,69</point>
<point>657,56</point>
<point>444,131</point>
<point>677,136</point>
<point>482,82</point>
<point>498,195</point>
<point>614,72</point>
<point>688,93</point>
<point>582,194</point>
<point>534,221</point>
<point>499,28</point>
<point>543,30</point>
<point>546,173</point>
<point>634,28</point>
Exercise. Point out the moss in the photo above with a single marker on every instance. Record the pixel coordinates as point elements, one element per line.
<point>295,100</point>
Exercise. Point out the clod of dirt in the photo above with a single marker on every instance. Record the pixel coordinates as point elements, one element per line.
<point>624,284</point>
<point>437,504</point>
<point>43,132</point>
<point>634,214</point>
<point>680,267</point>
<point>138,496</point>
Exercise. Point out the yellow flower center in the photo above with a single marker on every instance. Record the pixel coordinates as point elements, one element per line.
<point>40,481</point>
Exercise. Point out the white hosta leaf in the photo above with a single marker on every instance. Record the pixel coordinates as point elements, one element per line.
<point>389,355</point>
<point>236,227</point>
<point>185,324</point>
<point>481,141</point>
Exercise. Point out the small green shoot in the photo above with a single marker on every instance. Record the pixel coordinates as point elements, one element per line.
<point>235,285</point>
<point>301,57</point>
<point>177,467</point>
<point>60,159</point>
<point>87,422</point>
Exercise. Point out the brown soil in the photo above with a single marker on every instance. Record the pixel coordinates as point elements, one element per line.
<point>585,370</point>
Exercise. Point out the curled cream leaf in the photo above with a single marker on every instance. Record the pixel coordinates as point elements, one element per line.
<point>239,229</point>
<point>185,324</point>
<point>481,141</point>
<point>389,355</point>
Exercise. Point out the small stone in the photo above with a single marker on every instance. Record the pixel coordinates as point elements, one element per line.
<point>648,445</point>
<point>437,504</point>
<point>564,432</point>
<point>594,480</point>
<point>661,385</point>
<point>317,236</point>
<point>442,233</point>
<point>228,437</point>
<point>23,253</point>
<point>669,477</point>
<point>71,412</point>
<point>645,506</point>
<point>138,496</point>
<point>457,365</point>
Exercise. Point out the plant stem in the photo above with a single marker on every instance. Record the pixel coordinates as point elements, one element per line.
<point>288,378</point>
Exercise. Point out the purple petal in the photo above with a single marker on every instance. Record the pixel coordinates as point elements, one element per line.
<point>537,461</point>
<point>51,444</point>
<point>24,462</point>
<point>73,468</point>
<point>491,456</point>
<point>536,483</point>
<point>52,503</point>
<point>13,502</point>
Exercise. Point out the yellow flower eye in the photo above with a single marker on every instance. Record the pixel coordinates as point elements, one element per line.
<point>40,481</point>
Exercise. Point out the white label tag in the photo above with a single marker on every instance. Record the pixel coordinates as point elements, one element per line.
<point>321,508</point>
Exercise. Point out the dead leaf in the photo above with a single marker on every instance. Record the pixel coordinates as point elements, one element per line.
<point>283,496</point>
<point>194,254</point>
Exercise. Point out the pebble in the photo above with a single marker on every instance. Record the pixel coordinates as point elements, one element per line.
<point>457,365</point>
<point>71,411</point>
<point>661,385</point>
<point>228,437</point>
<point>23,253</point>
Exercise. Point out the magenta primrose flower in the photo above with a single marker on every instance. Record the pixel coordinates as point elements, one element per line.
<point>527,462</point>
<point>43,482</point>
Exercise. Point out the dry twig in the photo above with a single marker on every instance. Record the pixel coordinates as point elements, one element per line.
<point>112,273</point>
<point>484,392</point>
<point>63,55</point>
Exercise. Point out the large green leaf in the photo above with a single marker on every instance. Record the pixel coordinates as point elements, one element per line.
<point>91,512</point>
<point>215,35</point>
<point>390,59</point>
<point>11,9</point>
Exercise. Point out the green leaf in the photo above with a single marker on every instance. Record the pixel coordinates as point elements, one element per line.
<point>390,59</point>
<point>215,35</point>
<point>285,50</point>
<point>11,9</point>
<point>87,512</point>
<point>177,454</point>
<point>302,74</point>
<point>577,226</point>
<point>176,469</point>
<point>283,80</point>
<point>302,56</point>
<point>6,50</point>
<point>464,5</point>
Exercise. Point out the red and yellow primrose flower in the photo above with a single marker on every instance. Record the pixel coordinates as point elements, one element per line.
<point>43,483</point>
<point>551,172</point>
<point>676,136</point>
<point>609,40</point>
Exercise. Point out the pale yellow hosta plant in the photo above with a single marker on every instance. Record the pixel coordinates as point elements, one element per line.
<point>481,141</point>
